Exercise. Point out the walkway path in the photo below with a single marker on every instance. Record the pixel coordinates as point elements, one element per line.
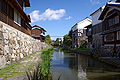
<point>17,71</point>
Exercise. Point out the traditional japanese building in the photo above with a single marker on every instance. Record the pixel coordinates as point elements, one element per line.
<point>111,24</point>
<point>97,28</point>
<point>38,32</point>
<point>12,13</point>
<point>79,32</point>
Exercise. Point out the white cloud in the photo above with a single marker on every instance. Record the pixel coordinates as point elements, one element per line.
<point>49,14</point>
<point>68,18</point>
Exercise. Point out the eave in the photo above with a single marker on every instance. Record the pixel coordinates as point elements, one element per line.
<point>106,9</point>
<point>89,26</point>
<point>27,3</point>
<point>38,27</point>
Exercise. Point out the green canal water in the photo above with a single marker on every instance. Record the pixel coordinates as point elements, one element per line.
<point>69,66</point>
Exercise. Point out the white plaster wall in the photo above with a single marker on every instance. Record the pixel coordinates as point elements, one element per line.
<point>83,24</point>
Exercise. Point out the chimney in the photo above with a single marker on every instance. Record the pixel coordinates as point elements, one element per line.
<point>117,0</point>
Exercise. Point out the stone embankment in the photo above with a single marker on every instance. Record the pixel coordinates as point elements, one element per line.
<point>14,44</point>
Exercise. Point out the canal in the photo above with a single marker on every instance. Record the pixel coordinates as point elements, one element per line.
<point>73,66</point>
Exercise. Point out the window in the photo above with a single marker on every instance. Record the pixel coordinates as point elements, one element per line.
<point>17,18</point>
<point>4,6</point>
<point>80,30</point>
<point>116,19</point>
<point>79,34</point>
<point>10,12</point>
<point>109,37</point>
<point>111,21</point>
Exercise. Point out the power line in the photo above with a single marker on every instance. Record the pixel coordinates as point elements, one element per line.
<point>56,36</point>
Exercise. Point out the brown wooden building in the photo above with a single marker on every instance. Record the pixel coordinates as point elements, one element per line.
<point>111,24</point>
<point>38,32</point>
<point>12,13</point>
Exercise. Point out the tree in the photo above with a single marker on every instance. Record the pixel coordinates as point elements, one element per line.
<point>67,40</point>
<point>70,34</point>
<point>56,42</point>
<point>48,39</point>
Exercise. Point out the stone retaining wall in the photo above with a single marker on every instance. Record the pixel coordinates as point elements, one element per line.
<point>15,44</point>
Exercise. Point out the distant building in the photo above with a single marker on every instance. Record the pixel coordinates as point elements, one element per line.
<point>111,24</point>
<point>79,32</point>
<point>38,32</point>
<point>97,28</point>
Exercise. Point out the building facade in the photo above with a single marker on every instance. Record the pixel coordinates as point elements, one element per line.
<point>111,25</point>
<point>12,13</point>
<point>79,32</point>
<point>89,34</point>
<point>38,32</point>
<point>97,28</point>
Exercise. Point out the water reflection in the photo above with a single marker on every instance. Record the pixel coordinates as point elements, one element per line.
<point>79,67</point>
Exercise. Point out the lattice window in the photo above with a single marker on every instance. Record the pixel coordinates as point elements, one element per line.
<point>109,37</point>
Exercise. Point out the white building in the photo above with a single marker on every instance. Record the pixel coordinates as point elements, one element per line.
<point>79,31</point>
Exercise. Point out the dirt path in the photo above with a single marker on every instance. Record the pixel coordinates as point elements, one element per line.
<point>17,71</point>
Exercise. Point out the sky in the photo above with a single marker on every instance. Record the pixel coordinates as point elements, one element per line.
<point>58,16</point>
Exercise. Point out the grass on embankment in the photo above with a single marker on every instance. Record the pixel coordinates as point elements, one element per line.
<point>42,71</point>
<point>13,69</point>
<point>62,48</point>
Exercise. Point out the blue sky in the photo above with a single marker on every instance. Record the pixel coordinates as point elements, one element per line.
<point>58,16</point>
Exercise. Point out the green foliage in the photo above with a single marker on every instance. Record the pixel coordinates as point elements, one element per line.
<point>67,40</point>
<point>56,43</point>
<point>42,71</point>
<point>8,68</point>
<point>48,39</point>
<point>46,60</point>
<point>62,48</point>
<point>70,34</point>
<point>83,44</point>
